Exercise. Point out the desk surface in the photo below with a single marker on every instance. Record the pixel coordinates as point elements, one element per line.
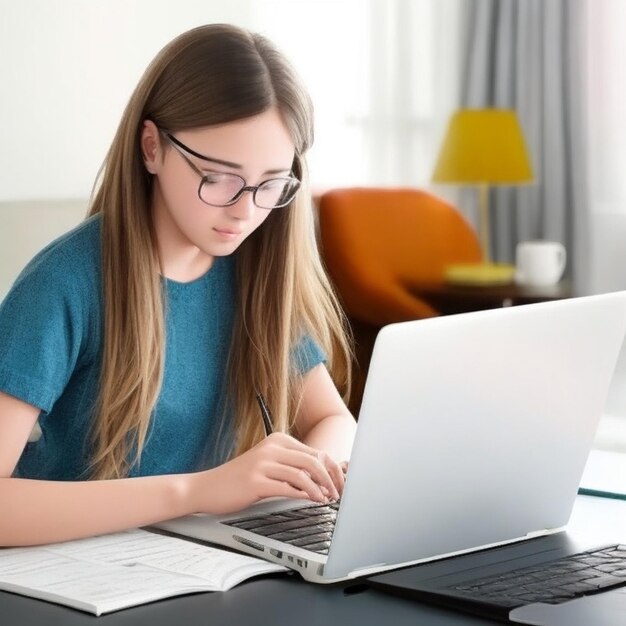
<point>287,599</point>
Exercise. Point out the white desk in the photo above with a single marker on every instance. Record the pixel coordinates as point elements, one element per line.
<point>605,472</point>
<point>601,520</point>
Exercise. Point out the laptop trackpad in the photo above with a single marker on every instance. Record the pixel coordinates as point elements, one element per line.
<point>603,609</point>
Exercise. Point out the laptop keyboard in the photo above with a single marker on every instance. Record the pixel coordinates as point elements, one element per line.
<point>309,527</point>
<point>552,582</point>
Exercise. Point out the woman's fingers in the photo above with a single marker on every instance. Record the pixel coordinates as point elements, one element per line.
<point>280,488</point>
<point>298,479</point>
<point>321,478</point>
<point>317,467</point>
<point>334,470</point>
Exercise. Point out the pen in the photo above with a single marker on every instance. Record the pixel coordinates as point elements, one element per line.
<point>265,414</point>
<point>267,425</point>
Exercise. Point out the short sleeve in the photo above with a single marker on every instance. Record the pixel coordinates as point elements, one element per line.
<point>307,354</point>
<point>41,329</point>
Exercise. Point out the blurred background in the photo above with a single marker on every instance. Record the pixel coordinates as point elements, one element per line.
<point>385,76</point>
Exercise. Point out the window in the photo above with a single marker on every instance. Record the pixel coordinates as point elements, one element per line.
<point>383,80</point>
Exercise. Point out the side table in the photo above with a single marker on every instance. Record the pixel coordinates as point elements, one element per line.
<point>448,298</point>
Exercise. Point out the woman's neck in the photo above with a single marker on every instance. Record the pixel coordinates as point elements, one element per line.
<point>180,259</point>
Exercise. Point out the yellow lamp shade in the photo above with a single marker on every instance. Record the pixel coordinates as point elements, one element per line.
<point>483,146</point>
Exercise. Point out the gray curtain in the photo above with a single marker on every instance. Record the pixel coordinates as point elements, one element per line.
<point>528,55</point>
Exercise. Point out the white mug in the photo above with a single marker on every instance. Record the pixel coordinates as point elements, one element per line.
<point>539,263</point>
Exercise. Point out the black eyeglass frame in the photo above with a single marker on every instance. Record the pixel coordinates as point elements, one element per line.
<point>181,148</point>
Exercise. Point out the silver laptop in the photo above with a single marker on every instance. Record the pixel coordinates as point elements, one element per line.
<point>474,431</point>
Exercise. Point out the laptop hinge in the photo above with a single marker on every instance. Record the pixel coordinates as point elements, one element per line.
<point>541,533</point>
<point>370,569</point>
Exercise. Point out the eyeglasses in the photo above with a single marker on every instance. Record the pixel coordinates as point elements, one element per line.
<point>223,189</point>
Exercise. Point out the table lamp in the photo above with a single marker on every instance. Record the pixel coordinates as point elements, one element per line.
<point>483,147</point>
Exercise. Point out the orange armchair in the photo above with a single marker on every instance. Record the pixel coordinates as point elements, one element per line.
<point>380,244</point>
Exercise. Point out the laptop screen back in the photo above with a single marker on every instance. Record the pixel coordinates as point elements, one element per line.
<point>474,429</point>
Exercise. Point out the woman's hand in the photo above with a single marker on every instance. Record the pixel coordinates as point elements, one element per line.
<point>277,466</point>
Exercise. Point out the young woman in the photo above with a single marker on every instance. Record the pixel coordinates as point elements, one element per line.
<point>144,339</point>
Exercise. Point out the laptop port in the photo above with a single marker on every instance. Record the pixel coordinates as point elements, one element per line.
<point>247,542</point>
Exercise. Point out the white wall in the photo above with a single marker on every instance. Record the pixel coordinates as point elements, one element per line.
<point>68,68</point>
<point>608,251</point>
<point>27,226</point>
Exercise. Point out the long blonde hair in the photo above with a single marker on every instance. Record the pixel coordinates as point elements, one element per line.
<point>209,75</point>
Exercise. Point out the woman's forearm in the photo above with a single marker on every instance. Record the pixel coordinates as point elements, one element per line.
<point>333,434</point>
<point>37,511</point>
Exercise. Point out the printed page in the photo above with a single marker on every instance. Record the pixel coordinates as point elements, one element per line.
<point>111,572</point>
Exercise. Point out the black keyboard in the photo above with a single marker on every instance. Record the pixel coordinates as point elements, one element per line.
<point>309,526</point>
<point>552,582</point>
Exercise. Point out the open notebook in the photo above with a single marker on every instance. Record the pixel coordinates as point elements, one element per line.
<point>120,570</point>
